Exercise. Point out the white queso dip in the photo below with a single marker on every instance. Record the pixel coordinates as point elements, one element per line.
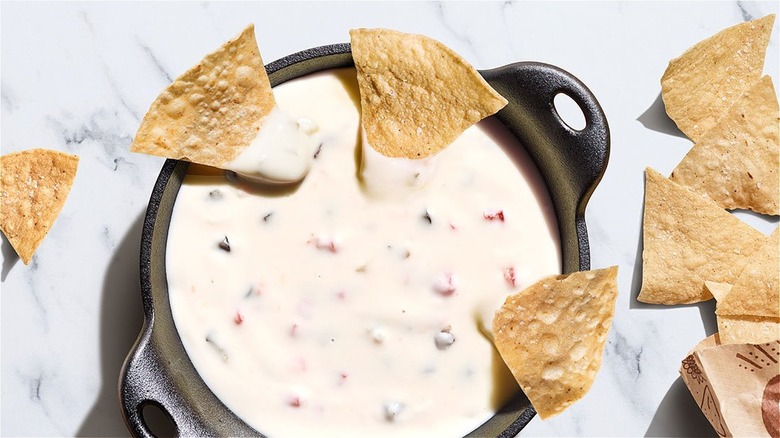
<point>323,309</point>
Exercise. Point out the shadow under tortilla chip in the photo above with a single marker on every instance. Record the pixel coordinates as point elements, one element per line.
<point>417,95</point>
<point>736,162</point>
<point>213,111</point>
<point>551,335</point>
<point>35,184</point>
<point>688,239</point>
<point>756,291</point>
<point>700,85</point>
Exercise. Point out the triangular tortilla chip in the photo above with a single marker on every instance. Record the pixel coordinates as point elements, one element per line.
<point>551,335</point>
<point>417,95</point>
<point>212,112</point>
<point>756,291</point>
<point>736,162</point>
<point>699,86</point>
<point>35,184</point>
<point>689,239</point>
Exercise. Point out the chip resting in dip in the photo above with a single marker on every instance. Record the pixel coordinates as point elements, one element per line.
<point>552,336</point>
<point>222,113</point>
<point>350,314</point>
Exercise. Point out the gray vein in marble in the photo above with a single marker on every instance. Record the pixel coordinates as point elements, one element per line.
<point>34,383</point>
<point>628,369</point>
<point>155,60</point>
<point>440,13</point>
<point>7,98</point>
<point>35,387</point>
<point>30,274</point>
<point>747,16</point>
<point>107,238</point>
<point>103,128</point>
<point>109,77</point>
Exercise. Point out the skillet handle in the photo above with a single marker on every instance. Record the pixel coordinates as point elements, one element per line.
<point>141,384</point>
<point>571,161</point>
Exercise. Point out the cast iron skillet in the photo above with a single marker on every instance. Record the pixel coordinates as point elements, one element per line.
<point>157,371</point>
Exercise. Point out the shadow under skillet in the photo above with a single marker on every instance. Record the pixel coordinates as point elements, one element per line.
<point>656,119</point>
<point>9,257</point>
<point>678,415</point>
<point>121,318</point>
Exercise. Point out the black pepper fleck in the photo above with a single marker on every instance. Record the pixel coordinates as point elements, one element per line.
<point>225,244</point>
<point>427,217</point>
<point>215,195</point>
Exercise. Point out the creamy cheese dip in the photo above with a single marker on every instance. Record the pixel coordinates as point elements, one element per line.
<point>280,153</point>
<point>319,309</point>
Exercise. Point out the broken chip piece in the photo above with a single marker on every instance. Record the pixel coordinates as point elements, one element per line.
<point>699,86</point>
<point>748,329</point>
<point>736,162</point>
<point>551,335</point>
<point>416,94</point>
<point>688,239</point>
<point>212,112</point>
<point>742,329</point>
<point>35,184</point>
<point>756,291</point>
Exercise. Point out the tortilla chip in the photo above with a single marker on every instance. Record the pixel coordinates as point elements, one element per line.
<point>748,329</point>
<point>551,336</point>
<point>699,86</point>
<point>742,329</point>
<point>417,96</point>
<point>35,184</point>
<point>212,112</point>
<point>756,291</point>
<point>736,162</point>
<point>689,239</point>
<point>718,290</point>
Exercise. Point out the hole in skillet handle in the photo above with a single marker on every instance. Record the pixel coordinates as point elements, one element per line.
<point>157,420</point>
<point>569,112</point>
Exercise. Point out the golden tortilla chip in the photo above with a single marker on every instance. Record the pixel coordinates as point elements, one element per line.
<point>742,329</point>
<point>736,162</point>
<point>756,291</point>
<point>212,112</point>
<point>748,329</point>
<point>35,184</point>
<point>699,86</point>
<point>551,336</point>
<point>718,290</point>
<point>689,239</point>
<point>417,95</point>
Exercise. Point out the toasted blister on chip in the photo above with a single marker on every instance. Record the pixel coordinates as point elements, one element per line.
<point>688,239</point>
<point>35,184</point>
<point>756,291</point>
<point>736,162</point>
<point>551,335</point>
<point>699,86</point>
<point>417,95</point>
<point>212,112</point>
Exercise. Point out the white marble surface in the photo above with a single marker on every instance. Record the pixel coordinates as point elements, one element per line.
<point>78,77</point>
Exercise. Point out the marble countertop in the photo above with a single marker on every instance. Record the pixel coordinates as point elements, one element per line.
<point>78,77</point>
